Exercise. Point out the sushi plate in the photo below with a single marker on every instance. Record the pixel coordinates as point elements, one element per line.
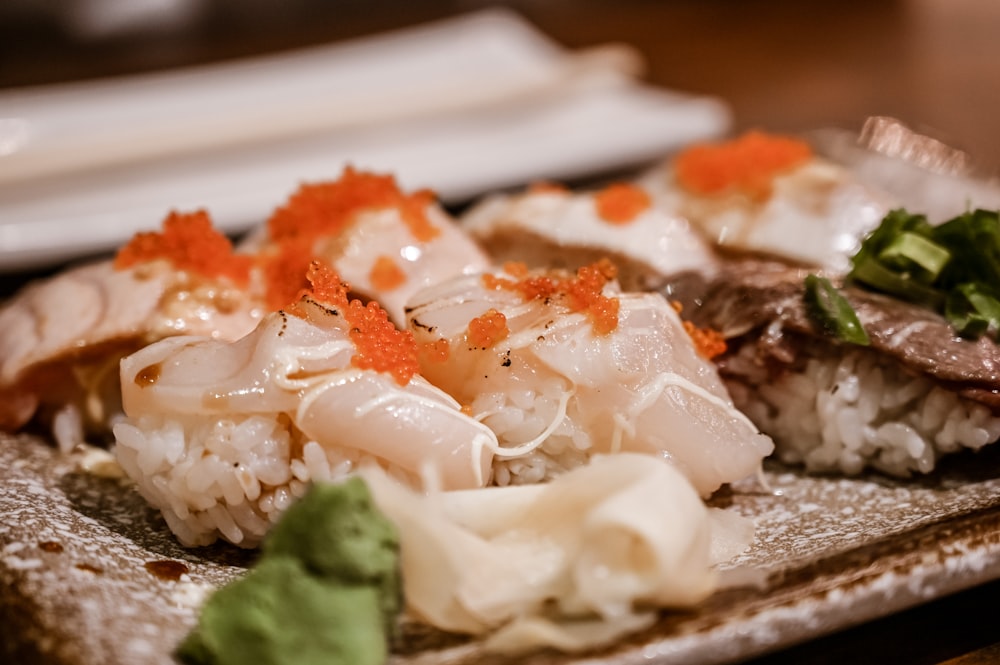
<point>90,574</point>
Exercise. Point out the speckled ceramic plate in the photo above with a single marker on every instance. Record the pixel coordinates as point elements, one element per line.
<point>90,575</point>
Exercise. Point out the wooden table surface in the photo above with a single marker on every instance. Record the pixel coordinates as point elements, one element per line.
<point>780,64</point>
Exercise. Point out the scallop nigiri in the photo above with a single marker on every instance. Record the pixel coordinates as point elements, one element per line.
<point>385,242</point>
<point>221,437</point>
<point>551,226</point>
<point>563,366</point>
<point>772,195</point>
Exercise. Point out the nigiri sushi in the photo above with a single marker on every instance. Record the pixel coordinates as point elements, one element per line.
<point>878,382</point>
<point>61,338</point>
<point>894,389</point>
<point>549,226</point>
<point>222,436</point>
<point>770,195</point>
<point>384,242</point>
<point>562,366</point>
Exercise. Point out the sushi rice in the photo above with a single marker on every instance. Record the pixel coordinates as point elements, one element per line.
<point>848,412</point>
<point>228,476</point>
<point>525,414</point>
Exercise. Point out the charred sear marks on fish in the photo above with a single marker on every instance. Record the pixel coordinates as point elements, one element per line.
<point>420,324</point>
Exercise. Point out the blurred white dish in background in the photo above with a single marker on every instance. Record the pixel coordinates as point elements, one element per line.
<point>461,106</point>
<point>94,20</point>
<point>924,174</point>
<point>464,64</point>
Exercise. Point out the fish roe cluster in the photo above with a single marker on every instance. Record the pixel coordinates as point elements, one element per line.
<point>285,270</point>
<point>486,330</point>
<point>585,294</point>
<point>582,292</point>
<point>747,164</point>
<point>190,242</point>
<point>708,342</point>
<point>326,286</point>
<point>437,351</point>
<point>379,345</point>
<point>325,209</point>
<point>621,203</point>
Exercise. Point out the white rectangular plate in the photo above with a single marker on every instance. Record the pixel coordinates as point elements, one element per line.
<point>463,106</point>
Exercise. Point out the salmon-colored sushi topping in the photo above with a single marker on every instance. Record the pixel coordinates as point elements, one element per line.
<point>324,286</point>
<point>581,293</point>
<point>386,275</point>
<point>285,271</point>
<point>324,209</point>
<point>486,330</point>
<point>621,203</point>
<point>747,164</point>
<point>378,343</point>
<point>191,243</point>
<point>708,343</point>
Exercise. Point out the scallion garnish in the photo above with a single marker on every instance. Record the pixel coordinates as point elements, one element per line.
<point>876,275</point>
<point>914,253</point>
<point>972,310</point>
<point>953,268</point>
<point>830,309</point>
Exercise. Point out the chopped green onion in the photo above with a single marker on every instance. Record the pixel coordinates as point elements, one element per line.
<point>909,248</point>
<point>972,310</point>
<point>832,312</point>
<point>893,224</point>
<point>881,278</point>
<point>953,268</point>
<point>974,241</point>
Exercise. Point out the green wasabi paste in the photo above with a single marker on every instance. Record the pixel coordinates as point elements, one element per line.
<point>326,590</point>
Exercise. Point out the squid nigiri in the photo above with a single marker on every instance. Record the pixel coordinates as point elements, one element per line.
<point>61,339</point>
<point>564,366</point>
<point>221,437</point>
